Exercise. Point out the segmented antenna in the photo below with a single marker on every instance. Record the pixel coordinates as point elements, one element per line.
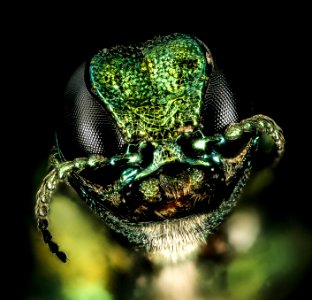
<point>59,173</point>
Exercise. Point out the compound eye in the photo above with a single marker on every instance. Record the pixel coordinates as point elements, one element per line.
<point>219,105</point>
<point>86,127</point>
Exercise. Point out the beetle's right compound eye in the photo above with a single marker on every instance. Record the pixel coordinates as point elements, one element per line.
<point>87,127</point>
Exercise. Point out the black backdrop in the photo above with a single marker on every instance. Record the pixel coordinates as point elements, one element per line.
<point>261,49</point>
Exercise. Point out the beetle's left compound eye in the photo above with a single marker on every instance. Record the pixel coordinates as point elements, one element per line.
<point>87,127</point>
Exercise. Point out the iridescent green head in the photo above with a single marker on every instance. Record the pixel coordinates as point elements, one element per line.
<point>154,142</point>
<point>154,91</point>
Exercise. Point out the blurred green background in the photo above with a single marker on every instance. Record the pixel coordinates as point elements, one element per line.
<point>262,52</point>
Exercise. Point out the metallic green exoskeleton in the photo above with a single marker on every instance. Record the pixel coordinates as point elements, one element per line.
<point>173,175</point>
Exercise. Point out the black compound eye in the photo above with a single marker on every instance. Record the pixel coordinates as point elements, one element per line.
<point>219,105</point>
<point>87,127</point>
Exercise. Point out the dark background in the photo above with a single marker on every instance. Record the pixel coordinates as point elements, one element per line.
<point>261,49</point>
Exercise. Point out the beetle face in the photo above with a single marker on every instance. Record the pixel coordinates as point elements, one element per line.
<point>153,141</point>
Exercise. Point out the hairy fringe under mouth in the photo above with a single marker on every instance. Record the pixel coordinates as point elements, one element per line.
<point>174,241</point>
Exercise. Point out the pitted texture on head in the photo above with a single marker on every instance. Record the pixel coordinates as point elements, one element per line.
<point>153,90</point>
